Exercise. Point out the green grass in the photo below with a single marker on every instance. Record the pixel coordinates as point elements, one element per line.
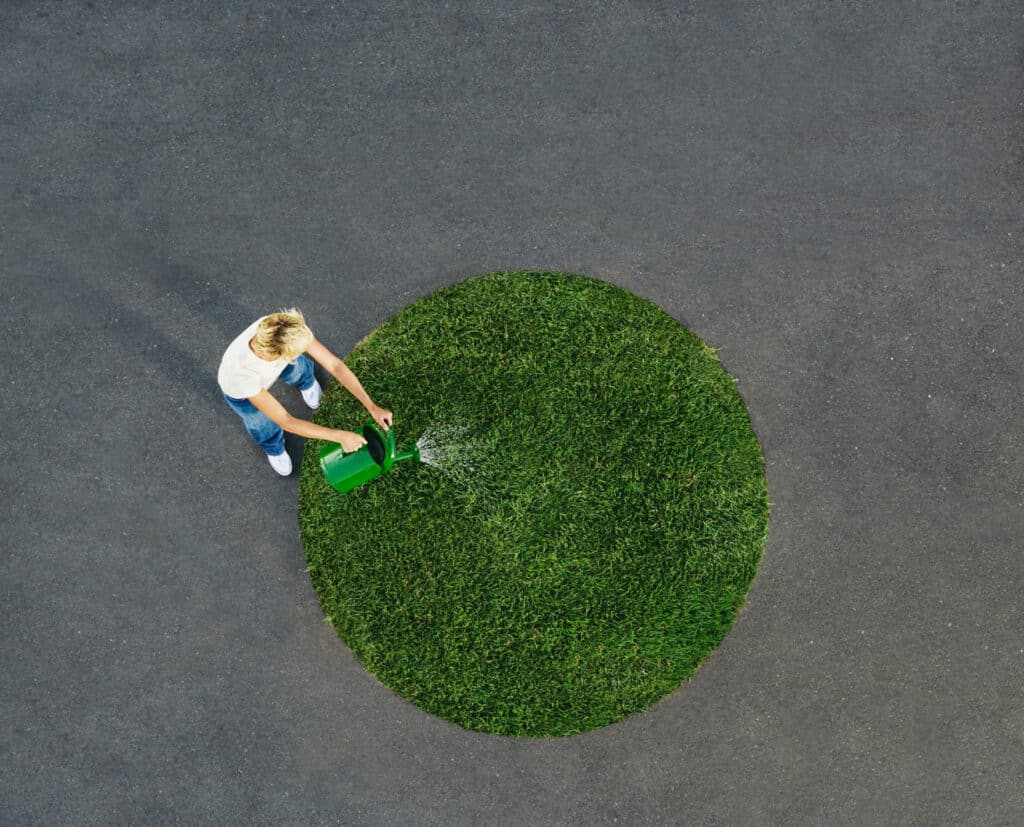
<point>603,546</point>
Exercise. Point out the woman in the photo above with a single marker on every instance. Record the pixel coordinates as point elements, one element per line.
<point>276,346</point>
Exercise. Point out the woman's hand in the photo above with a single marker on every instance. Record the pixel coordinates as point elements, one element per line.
<point>381,416</point>
<point>350,441</point>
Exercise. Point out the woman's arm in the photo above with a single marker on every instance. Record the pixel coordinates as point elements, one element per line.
<point>277,413</point>
<point>348,380</point>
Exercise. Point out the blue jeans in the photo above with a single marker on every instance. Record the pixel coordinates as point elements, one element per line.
<point>267,433</point>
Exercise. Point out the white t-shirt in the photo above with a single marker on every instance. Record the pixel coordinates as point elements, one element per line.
<point>242,373</point>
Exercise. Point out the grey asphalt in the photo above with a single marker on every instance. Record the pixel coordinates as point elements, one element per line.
<point>828,193</point>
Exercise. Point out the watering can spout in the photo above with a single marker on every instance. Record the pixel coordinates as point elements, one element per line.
<point>413,454</point>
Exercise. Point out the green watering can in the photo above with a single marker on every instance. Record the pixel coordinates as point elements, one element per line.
<point>347,471</point>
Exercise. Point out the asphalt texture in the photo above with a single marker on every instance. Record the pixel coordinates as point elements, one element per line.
<point>828,193</point>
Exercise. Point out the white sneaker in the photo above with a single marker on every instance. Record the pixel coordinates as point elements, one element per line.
<point>311,395</point>
<point>282,463</point>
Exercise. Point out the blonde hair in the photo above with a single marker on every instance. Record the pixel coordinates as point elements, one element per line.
<point>283,334</point>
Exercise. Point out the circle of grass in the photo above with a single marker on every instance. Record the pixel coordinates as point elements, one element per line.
<point>601,544</point>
